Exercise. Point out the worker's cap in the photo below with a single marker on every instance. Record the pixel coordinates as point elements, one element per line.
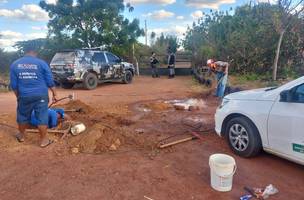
<point>210,61</point>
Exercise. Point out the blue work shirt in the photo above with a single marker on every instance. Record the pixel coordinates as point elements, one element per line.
<point>52,116</point>
<point>30,76</point>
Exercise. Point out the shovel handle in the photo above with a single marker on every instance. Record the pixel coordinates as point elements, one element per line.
<point>177,142</point>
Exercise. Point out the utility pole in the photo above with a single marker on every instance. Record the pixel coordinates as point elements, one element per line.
<point>146,32</point>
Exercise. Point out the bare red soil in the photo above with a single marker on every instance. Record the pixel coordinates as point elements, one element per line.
<point>137,116</point>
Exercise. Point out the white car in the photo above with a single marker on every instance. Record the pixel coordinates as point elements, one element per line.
<point>271,119</point>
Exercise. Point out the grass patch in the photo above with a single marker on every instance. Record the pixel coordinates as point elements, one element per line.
<point>252,81</point>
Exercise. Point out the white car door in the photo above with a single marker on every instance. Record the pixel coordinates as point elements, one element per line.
<point>286,124</point>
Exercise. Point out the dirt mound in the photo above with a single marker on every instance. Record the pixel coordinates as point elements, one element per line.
<point>102,139</point>
<point>157,106</point>
<point>105,131</point>
<point>98,139</point>
<point>77,104</point>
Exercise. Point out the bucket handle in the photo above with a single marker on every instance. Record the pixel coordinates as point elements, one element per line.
<point>234,170</point>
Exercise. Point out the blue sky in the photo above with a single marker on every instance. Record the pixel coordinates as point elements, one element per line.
<point>23,20</point>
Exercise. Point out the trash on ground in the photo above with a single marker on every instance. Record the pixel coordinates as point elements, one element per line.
<point>255,192</point>
<point>188,104</point>
<point>261,193</point>
<point>77,129</point>
<point>269,190</point>
<point>147,198</point>
<point>140,131</point>
<point>246,197</point>
<point>75,150</point>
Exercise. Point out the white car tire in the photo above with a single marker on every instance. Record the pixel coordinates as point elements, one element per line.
<point>243,137</point>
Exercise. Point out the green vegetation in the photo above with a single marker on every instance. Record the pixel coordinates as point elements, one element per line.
<point>259,40</point>
<point>87,24</point>
<point>5,59</point>
<point>92,23</point>
<point>249,38</point>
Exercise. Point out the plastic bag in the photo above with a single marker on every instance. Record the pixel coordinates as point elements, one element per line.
<point>269,190</point>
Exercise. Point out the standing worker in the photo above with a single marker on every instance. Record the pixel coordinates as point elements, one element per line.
<point>220,68</point>
<point>153,64</point>
<point>30,80</point>
<point>171,65</point>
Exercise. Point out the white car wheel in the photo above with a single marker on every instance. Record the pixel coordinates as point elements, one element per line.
<point>238,137</point>
<point>243,137</point>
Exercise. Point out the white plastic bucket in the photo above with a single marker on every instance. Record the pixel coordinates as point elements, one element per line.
<point>77,129</point>
<point>222,169</point>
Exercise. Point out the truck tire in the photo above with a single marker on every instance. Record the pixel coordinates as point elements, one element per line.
<point>128,77</point>
<point>243,137</point>
<point>90,81</point>
<point>67,85</point>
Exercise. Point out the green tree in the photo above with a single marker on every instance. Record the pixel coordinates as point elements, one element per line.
<point>284,19</point>
<point>92,23</point>
<point>164,44</point>
<point>247,37</point>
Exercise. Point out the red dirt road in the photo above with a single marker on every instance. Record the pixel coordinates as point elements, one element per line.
<point>179,173</point>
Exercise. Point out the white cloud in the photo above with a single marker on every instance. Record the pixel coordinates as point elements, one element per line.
<point>3,1</point>
<point>9,38</point>
<point>214,4</point>
<point>39,28</point>
<point>162,2</point>
<point>180,17</point>
<point>10,34</point>
<point>32,36</point>
<point>197,14</point>
<point>30,12</point>
<point>51,1</point>
<point>160,14</point>
<point>268,1</point>
<point>173,30</point>
<point>55,2</point>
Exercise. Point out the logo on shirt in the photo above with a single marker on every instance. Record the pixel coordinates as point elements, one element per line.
<point>27,75</point>
<point>27,66</point>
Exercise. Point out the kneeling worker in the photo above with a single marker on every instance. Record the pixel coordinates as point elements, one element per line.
<point>55,116</point>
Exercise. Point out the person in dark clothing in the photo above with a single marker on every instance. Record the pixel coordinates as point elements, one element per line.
<point>30,79</point>
<point>153,64</point>
<point>171,65</point>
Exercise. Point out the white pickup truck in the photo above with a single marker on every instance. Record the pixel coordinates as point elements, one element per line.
<point>271,119</point>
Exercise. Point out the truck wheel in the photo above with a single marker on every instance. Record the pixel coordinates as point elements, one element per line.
<point>243,137</point>
<point>90,81</point>
<point>128,77</point>
<point>67,85</point>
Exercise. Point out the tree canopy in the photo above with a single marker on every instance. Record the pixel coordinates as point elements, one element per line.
<point>92,23</point>
<point>247,38</point>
